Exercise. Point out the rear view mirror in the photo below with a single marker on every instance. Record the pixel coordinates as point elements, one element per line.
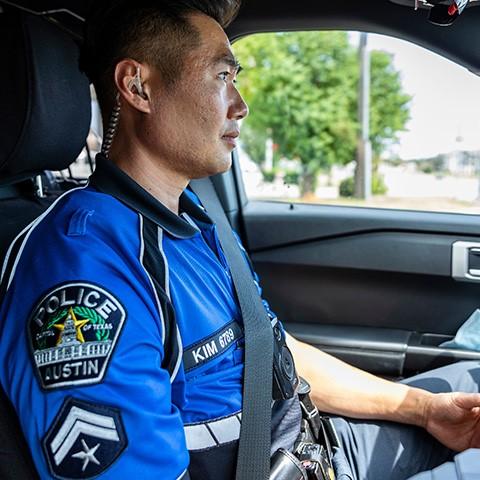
<point>444,15</point>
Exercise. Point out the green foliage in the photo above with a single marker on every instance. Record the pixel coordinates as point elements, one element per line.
<point>437,164</point>
<point>269,175</point>
<point>291,178</point>
<point>426,168</point>
<point>254,139</point>
<point>88,313</point>
<point>378,185</point>
<point>55,319</point>
<point>302,89</point>
<point>51,322</point>
<point>390,106</point>
<point>394,162</point>
<point>95,318</point>
<point>347,186</point>
<point>83,313</point>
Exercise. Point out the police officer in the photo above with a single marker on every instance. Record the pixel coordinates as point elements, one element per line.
<point>134,355</point>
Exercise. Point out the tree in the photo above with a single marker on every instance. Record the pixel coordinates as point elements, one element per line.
<point>302,90</point>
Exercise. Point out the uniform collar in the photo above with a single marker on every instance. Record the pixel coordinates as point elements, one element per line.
<point>110,179</point>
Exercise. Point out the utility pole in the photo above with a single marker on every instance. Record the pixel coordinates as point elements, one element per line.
<point>363,171</point>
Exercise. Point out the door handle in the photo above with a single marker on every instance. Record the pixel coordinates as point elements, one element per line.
<point>462,253</point>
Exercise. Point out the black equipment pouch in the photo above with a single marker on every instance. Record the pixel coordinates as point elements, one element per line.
<point>285,466</point>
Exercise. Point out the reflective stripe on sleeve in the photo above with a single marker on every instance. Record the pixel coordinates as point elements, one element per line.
<point>213,433</point>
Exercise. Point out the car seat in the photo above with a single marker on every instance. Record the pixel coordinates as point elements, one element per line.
<point>44,116</point>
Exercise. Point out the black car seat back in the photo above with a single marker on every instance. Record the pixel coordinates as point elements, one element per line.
<point>45,113</point>
<point>44,118</point>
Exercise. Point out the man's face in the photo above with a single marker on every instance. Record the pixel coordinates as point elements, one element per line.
<point>194,124</point>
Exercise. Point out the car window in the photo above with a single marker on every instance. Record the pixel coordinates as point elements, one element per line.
<point>301,140</point>
<point>83,166</point>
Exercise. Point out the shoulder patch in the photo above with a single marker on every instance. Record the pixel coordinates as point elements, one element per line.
<point>84,440</point>
<point>73,331</point>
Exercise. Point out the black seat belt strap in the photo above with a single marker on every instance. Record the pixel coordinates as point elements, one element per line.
<point>253,461</point>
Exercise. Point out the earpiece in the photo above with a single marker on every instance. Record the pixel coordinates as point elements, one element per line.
<point>136,82</point>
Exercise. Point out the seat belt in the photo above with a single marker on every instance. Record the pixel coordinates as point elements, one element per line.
<point>253,461</point>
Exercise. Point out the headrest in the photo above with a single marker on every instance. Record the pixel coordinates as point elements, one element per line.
<point>44,98</point>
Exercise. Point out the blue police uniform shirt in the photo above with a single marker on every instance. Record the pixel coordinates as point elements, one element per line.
<point>122,343</point>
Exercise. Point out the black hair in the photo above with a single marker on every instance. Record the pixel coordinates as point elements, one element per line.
<point>153,31</point>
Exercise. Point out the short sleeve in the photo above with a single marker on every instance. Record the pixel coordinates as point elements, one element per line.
<point>81,360</point>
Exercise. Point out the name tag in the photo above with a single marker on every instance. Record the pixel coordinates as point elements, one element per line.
<point>212,346</point>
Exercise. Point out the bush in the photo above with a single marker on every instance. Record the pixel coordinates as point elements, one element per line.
<point>347,186</point>
<point>291,178</point>
<point>378,185</point>
<point>426,169</point>
<point>269,175</point>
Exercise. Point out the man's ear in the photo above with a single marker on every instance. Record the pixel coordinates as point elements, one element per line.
<point>132,82</point>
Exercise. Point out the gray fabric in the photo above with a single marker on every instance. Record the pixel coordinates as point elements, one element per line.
<point>379,450</point>
<point>286,417</point>
<point>341,465</point>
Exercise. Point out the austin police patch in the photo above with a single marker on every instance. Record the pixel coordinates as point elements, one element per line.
<point>73,331</point>
<point>84,440</point>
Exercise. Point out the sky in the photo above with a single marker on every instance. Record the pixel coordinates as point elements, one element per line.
<point>445,110</point>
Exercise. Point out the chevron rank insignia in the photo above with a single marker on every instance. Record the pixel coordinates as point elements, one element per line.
<point>73,331</point>
<point>84,440</point>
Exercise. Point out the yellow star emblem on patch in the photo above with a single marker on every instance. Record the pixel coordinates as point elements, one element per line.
<point>78,324</point>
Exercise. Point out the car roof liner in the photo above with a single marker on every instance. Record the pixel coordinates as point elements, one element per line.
<point>392,17</point>
<point>44,98</point>
<point>397,18</point>
<point>458,42</point>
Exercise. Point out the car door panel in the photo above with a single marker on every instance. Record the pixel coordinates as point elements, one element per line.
<point>372,286</point>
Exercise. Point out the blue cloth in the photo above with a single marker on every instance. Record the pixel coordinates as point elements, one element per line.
<point>468,335</point>
<point>378,450</point>
<point>135,382</point>
<point>97,245</point>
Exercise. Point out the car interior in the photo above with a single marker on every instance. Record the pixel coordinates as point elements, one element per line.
<point>374,287</point>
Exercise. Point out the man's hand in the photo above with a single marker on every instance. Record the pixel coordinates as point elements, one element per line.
<point>338,388</point>
<point>454,419</point>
